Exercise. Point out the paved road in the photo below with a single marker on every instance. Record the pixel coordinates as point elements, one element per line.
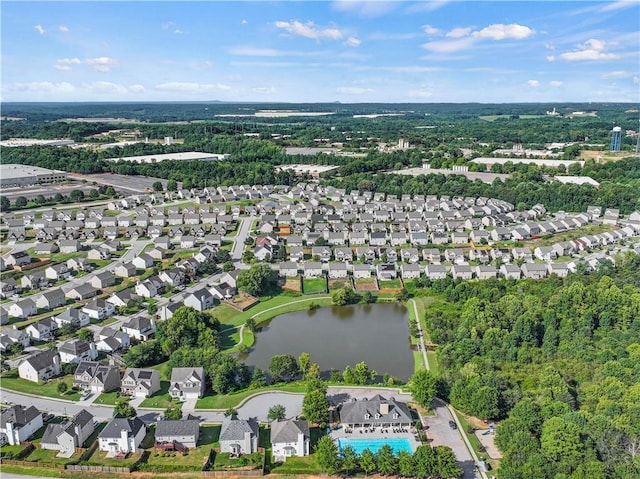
<point>243,233</point>
<point>440,434</point>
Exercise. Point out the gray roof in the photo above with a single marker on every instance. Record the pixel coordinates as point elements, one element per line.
<point>354,412</point>
<point>287,431</point>
<point>75,347</point>
<point>118,424</point>
<point>52,432</point>
<point>233,429</point>
<point>43,359</point>
<point>179,375</point>
<point>18,415</point>
<point>181,427</point>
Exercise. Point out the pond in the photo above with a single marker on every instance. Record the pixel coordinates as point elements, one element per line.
<point>339,336</point>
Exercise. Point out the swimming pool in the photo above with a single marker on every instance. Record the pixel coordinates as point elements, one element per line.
<point>397,444</point>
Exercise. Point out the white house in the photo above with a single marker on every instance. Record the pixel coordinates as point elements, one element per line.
<point>69,435</point>
<point>187,383</point>
<point>122,435</point>
<point>77,350</point>
<point>289,438</point>
<point>138,382</point>
<point>22,309</point>
<point>18,423</point>
<point>238,436</point>
<point>40,366</point>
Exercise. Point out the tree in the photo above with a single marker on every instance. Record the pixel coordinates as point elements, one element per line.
<point>174,411</point>
<point>368,462</point>
<point>223,256</point>
<point>304,361</point>
<point>20,202</point>
<point>258,378</point>
<point>368,298</point>
<point>62,387</point>
<point>5,204</point>
<point>560,441</point>
<point>187,327</point>
<point>447,464</point>
<point>423,387</point>
<point>349,460</point>
<point>405,464</point>
<point>76,195</point>
<point>387,462</point>
<point>402,295</point>
<point>343,296</point>
<point>172,185</point>
<point>283,367</point>
<point>157,186</point>
<point>123,408</point>
<point>362,374</point>
<point>152,309</point>
<point>147,353</point>
<point>425,462</point>
<point>230,412</point>
<point>315,406</point>
<point>327,455</point>
<point>277,412</point>
<point>228,266</point>
<point>250,324</point>
<point>258,280</point>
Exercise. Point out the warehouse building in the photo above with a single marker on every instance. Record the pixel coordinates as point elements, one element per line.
<point>24,175</point>
<point>183,156</point>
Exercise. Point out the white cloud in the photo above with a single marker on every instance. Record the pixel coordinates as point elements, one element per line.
<point>617,74</point>
<point>105,87</point>
<point>459,32</point>
<point>137,88</point>
<point>500,31</point>
<point>610,6</point>
<point>101,64</point>
<point>533,83</point>
<point>352,42</point>
<point>556,83</point>
<point>429,30</point>
<point>39,29</point>
<point>191,88</point>
<point>366,8</point>
<point>310,30</point>
<point>178,31</point>
<point>591,50</point>
<point>429,6</point>
<point>42,87</point>
<point>63,28</point>
<point>635,80</point>
<point>354,90</point>
<point>243,22</point>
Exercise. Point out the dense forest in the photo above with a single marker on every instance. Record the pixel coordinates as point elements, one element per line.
<point>558,360</point>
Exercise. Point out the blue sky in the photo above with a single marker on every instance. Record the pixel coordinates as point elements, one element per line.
<point>348,51</point>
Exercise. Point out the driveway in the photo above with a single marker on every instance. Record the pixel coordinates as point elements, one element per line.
<point>243,233</point>
<point>440,433</point>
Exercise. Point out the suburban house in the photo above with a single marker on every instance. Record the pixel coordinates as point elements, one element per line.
<point>122,298</point>
<point>142,261</point>
<point>139,328</point>
<point>510,271</point>
<point>362,271</point>
<point>167,311</point>
<point>77,350</point>
<point>70,434</point>
<point>51,299</point>
<point>182,431</point>
<point>103,280</point>
<point>289,438</point>
<point>386,271</point>
<point>12,336</point>
<point>150,287</point>
<point>57,272</point>
<point>312,269</point>
<point>42,330</point>
<point>534,270</point>
<point>84,291</point>
<point>288,269</point>
<point>122,435</point>
<point>22,309</point>
<point>140,382</point>
<point>125,270</point>
<point>187,383</point>
<point>173,277</point>
<point>200,300</point>
<point>18,258</point>
<point>238,436</point>
<point>110,340</point>
<point>18,423</point>
<point>73,316</point>
<point>337,270</point>
<point>461,271</point>
<point>377,411</point>
<point>40,366</point>
<point>410,271</point>
<point>99,309</point>
<point>96,377</point>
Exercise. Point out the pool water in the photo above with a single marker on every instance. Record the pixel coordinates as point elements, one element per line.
<point>397,444</point>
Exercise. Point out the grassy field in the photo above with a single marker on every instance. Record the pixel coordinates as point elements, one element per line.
<point>314,285</point>
<point>390,284</point>
<point>160,399</point>
<point>108,399</point>
<point>192,460</point>
<point>48,456</point>
<point>12,382</point>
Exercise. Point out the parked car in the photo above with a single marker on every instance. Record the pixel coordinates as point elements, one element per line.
<point>85,396</point>
<point>453,425</point>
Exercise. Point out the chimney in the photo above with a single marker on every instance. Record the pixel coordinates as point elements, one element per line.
<point>384,408</point>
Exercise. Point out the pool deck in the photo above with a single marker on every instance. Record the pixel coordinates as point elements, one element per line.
<point>379,433</point>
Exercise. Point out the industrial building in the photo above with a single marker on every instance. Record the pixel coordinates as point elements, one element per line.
<point>23,175</point>
<point>184,156</point>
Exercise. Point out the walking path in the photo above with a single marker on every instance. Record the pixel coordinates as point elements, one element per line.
<point>422,346</point>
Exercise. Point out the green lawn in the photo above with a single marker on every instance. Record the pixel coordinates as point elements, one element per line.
<point>297,465</point>
<point>99,458</point>
<point>48,456</point>
<point>226,401</point>
<point>314,285</point>
<point>224,461</point>
<point>390,284</point>
<point>12,382</point>
<point>108,399</point>
<point>160,399</point>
